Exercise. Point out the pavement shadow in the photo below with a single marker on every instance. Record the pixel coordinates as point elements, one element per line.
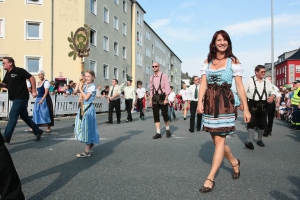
<point>295,136</point>
<point>67,171</point>
<point>296,192</point>
<point>206,153</point>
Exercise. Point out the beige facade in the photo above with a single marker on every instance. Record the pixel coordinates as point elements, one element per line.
<point>35,35</point>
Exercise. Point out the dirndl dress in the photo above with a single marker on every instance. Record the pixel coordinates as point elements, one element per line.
<point>219,99</point>
<point>86,128</point>
<point>43,113</point>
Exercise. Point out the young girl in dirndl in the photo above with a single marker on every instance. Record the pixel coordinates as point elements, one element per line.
<point>86,128</point>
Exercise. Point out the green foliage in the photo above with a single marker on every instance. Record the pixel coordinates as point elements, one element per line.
<point>191,81</point>
<point>74,56</point>
<point>71,53</point>
<point>70,40</point>
<point>72,47</point>
<point>72,35</point>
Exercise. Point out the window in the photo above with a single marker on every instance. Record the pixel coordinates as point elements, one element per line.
<point>116,2</point>
<point>34,2</point>
<point>93,66</point>
<point>297,68</point>
<point>33,64</point>
<point>116,22</point>
<point>106,15</point>
<point>124,29</point>
<point>105,71</point>
<point>124,75</point>
<point>148,35</point>
<point>116,48</point>
<point>93,37</point>
<point>138,17</point>
<point>124,52</point>
<point>105,43</point>
<point>2,28</point>
<point>124,6</point>
<point>33,30</point>
<point>148,70</point>
<point>93,6</point>
<point>116,73</point>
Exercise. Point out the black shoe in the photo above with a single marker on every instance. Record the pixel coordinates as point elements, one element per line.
<point>266,134</point>
<point>207,189</point>
<point>127,121</point>
<point>249,145</point>
<point>39,135</point>
<point>118,122</point>
<point>168,133</point>
<point>260,143</point>
<point>7,141</point>
<point>192,131</point>
<point>236,175</point>
<point>184,118</point>
<point>156,136</point>
<point>109,122</point>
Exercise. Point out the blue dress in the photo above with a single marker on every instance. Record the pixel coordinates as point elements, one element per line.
<point>86,128</point>
<point>43,113</point>
<point>219,100</point>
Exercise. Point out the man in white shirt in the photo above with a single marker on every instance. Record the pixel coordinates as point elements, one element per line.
<point>271,107</point>
<point>259,92</point>
<point>193,103</point>
<point>129,96</point>
<point>184,94</point>
<point>114,102</point>
<point>171,107</point>
<point>141,96</point>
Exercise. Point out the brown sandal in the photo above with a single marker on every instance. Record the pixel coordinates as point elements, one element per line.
<point>236,175</point>
<point>207,189</point>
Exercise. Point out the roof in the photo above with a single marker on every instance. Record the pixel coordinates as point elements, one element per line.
<point>295,56</point>
<point>185,75</point>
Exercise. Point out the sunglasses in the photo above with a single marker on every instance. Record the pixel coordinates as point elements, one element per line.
<point>154,66</point>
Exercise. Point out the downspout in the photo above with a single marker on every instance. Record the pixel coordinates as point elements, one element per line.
<point>52,35</point>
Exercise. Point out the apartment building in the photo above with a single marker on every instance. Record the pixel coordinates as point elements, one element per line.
<point>36,37</point>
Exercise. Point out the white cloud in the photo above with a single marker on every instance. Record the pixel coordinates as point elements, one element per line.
<point>159,23</point>
<point>187,4</point>
<point>185,18</point>
<point>263,24</point>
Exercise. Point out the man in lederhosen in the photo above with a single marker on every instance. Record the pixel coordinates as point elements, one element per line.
<point>159,92</point>
<point>270,108</point>
<point>259,92</point>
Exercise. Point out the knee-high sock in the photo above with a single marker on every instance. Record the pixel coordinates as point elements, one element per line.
<point>251,134</point>
<point>260,134</point>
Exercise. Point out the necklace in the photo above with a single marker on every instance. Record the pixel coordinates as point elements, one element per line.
<point>220,59</point>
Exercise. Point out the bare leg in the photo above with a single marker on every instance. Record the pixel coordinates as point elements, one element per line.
<point>233,161</point>
<point>219,142</point>
<point>157,125</point>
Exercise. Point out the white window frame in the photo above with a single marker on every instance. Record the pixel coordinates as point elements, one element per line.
<point>116,22</point>
<point>107,44</point>
<point>138,17</point>
<point>95,37</point>
<point>124,29</point>
<point>39,2</point>
<point>116,2</point>
<point>105,75</point>
<point>40,29</point>
<point>124,52</point>
<point>36,57</point>
<point>116,51</point>
<point>116,76</point>
<point>124,4</point>
<point>2,28</point>
<point>95,66</point>
<point>124,75</point>
<point>297,66</point>
<point>107,15</point>
<point>95,7</point>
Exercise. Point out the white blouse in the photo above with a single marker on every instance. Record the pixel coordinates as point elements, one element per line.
<point>236,69</point>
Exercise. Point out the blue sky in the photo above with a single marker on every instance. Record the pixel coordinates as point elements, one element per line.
<point>188,26</point>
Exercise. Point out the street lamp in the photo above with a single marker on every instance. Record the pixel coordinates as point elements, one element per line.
<point>272,43</point>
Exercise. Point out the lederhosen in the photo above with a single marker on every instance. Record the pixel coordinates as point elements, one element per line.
<point>257,108</point>
<point>158,102</point>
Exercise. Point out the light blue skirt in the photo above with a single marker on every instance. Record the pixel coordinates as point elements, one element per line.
<point>41,114</point>
<point>86,128</point>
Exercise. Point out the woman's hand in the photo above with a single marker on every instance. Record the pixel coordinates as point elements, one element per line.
<point>247,116</point>
<point>200,108</point>
<point>41,101</point>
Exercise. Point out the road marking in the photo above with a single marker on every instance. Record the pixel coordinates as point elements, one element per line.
<point>180,137</point>
<point>75,139</point>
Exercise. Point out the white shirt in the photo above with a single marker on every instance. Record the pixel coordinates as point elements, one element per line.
<point>184,94</point>
<point>117,90</point>
<point>191,94</point>
<point>171,97</point>
<point>249,88</point>
<point>140,92</point>
<point>275,89</point>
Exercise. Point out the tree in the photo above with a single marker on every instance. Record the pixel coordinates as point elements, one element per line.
<point>191,81</point>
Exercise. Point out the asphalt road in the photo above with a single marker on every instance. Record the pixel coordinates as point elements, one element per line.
<point>129,164</point>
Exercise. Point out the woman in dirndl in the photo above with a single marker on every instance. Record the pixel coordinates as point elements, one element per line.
<point>217,103</point>
<point>43,107</point>
<point>86,128</point>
